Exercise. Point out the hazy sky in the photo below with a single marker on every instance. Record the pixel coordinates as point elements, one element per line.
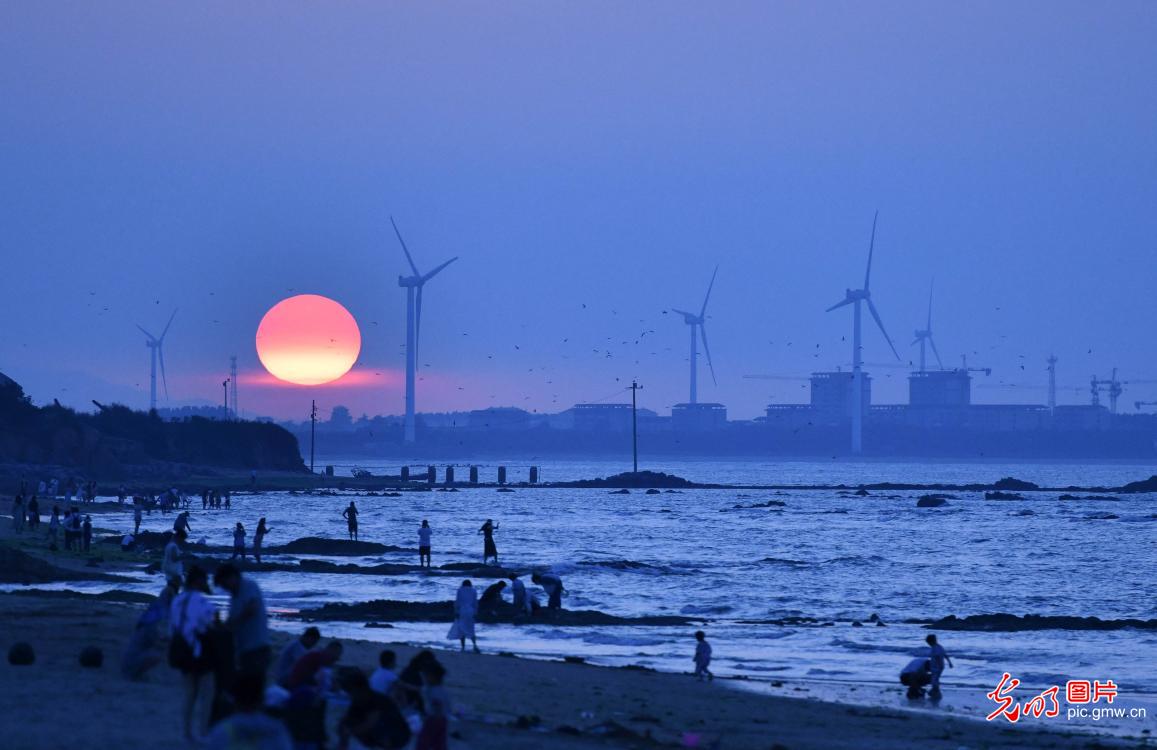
<point>591,163</point>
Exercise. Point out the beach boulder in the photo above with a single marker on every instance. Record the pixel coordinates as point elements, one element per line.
<point>91,657</point>
<point>21,654</point>
<point>931,501</point>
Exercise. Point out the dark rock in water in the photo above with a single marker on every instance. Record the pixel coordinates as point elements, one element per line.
<point>857,624</point>
<point>861,492</point>
<point>1145,485</point>
<point>396,611</point>
<point>653,491</point>
<point>623,491</point>
<point>1010,483</point>
<point>1025,512</point>
<point>526,722</point>
<point>998,495</point>
<point>1101,517</point>
<point>17,566</point>
<point>505,489</point>
<point>115,595</point>
<point>574,660</point>
<point>931,501</point>
<point>21,654</point>
<point>874,618</point>
<point>382,625</point>
<point>91,657</point>
<point>632,479</point>
<point>1005,623</point>
<point>1102,498</point>
<point>768,504</point>
<point>881,624</point>
<point>315,545</point>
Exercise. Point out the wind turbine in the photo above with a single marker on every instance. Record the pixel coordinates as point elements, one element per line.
<point>926,336</point>
<point>697,322</point>
<point>855,297</point>
<point>157,352</point>
<point>413,286</point>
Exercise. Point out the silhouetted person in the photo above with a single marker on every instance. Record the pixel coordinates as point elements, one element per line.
<point>489,549</point>
<point>424,534</point>
<point>350,514</point>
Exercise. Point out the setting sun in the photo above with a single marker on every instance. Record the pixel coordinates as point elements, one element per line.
<point>308,340</point>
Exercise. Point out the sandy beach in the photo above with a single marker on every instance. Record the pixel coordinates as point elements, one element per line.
<point>556,704</point>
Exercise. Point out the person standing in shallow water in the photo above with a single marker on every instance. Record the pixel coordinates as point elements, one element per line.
<point>238,542</point>
<point>424,534</point>
<point>350,514</point>
<point>489,549</point>
<point>259,537</point>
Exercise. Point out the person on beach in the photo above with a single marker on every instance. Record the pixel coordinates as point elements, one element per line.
<point>144,650</point>
<point>18,514</point>
<point>238,542</point>
<point>436,702</point>
<point>915,675</point>
<point>295,650</point>
<point>228,499</point>
<point>465,610</point>
<point>259,537</point>
<point>190,617</point>
<point>424,534</point>
<point>247,619</point>
<point>383,679</point>
<point>72,529</point>
<point>249,728</point>
<point>408,688</point>
<point>552,585</point>
<point>86,534</point>
<point>181,522</point>
<point>702,657</point>
<point>372,718</point>
<point>311,670</point>
<point>350,514</point>
<point>121,495</point>
<point>518,595</point>
<point>138,512</point>
<point>53,527</point>
<point>488,547</point>
<point>491,598</point>
<point>937,657</point>
<point>171,565</point>
<point>34,514</point>
<point>128,542</point>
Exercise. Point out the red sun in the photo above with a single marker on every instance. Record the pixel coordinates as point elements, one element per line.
<point>308,340</point>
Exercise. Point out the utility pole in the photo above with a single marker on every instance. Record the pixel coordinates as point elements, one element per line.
<point>312,432</point>
<point>233,380</point>
<point>225,388</point>
<point>635,425</point>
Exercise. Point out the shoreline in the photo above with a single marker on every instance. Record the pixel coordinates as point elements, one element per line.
<point>502,702</point>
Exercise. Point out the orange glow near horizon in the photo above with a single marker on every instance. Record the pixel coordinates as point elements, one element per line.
<point>308,340</point>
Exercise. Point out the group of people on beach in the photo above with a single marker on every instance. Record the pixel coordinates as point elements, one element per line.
<point>76,528</point>
<point>233,687</point>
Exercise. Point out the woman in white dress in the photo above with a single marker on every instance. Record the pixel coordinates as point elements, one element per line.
<point>465,610</point>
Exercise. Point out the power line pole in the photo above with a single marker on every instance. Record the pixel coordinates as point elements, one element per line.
<point>635,425</point>
<point>312,432</point>
<point>225,388</point>
<point>233,380</point>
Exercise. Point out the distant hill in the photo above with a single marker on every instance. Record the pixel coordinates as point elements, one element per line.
<point>116,439</point>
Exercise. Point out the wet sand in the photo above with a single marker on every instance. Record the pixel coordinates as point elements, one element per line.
<point>502,702</point>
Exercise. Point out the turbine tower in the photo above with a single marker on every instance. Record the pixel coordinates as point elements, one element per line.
<point>157,352</point>
<point>925,336</point>
<point>413,286</point>
<point>694,322</point>
<point>855,297</point>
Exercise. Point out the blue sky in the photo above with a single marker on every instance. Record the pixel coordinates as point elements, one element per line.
<point>218,158</point>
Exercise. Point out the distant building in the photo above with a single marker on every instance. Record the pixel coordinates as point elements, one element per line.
<point>607,417</point>
<point>698,417</point>
<point>501,418</point>
<point>831,394</point>
<point>940,389</point>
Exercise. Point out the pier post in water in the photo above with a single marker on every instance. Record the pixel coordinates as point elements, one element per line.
<point>534,475</point>
<point>502,475</point>
<point>449,475</point>
<point>473,475</point>
<point>405,473</point>
<point>431,474</point>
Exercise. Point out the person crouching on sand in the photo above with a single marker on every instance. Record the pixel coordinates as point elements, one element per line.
<point>702,657</point>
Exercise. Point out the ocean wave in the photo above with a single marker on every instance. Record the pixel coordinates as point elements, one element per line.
<point>610,639</point>
<point>785,562</point>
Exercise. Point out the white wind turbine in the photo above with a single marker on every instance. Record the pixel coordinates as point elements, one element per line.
<point>157,352</point>
<point>697,322</point>
<point>413,286</point>
<point>855,297</point>
<point>925,336</point>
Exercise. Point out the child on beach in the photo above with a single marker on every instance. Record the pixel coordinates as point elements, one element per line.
<point>937,657</point>
<point>436,702</point>
<point>702,657</point>
<point>86,533</point>
<point>238,542</point>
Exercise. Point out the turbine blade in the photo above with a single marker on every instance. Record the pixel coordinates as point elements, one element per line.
<point>876,315</point>
<point>405,249</point>
<point>683,312</point>
<point>437,270</point>
<point>930,288</point>
<point>707,351</point>
<point>168,324</point>
<point>933,343</point>
<point>871,248</point>
<point>417,322</point>
<point>703,310</point>
<point>915,341</point>
<point>838,305</point>
<point>151,336</point>
<point>164,380</point>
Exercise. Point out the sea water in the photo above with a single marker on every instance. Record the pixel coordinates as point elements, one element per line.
<point>825,555</point>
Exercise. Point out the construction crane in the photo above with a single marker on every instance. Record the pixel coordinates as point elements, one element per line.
<point>1112,386</point>
<point>1140,404</point>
